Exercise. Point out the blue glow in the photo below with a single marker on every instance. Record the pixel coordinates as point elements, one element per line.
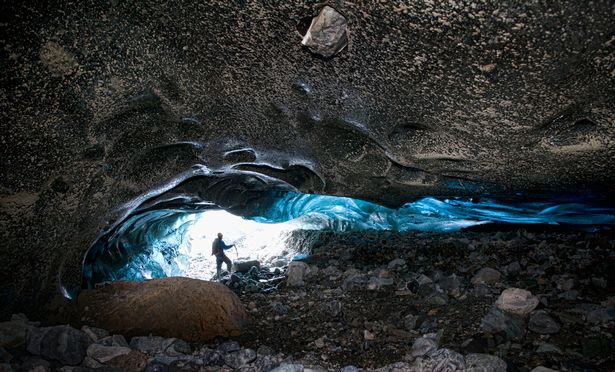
<point>177,242</point>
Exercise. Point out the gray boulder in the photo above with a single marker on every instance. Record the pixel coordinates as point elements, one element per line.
<point>103,354</point>
<point>541,322</point>
<point>517,301</point>
<point>62,343</point>
<point>240,358</point>
<point>296,274</point>
<point>498,321</point>
<point>327,34</point>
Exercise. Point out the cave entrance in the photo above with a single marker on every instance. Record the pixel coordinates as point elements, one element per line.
<point>163,241</point>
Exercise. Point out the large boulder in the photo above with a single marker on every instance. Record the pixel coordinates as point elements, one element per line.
<point>190,309</point>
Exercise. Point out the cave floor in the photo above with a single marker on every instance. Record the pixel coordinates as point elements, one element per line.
<point>357,306</point>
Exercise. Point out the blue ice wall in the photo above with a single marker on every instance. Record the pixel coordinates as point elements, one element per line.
<point>429,214</point>
<point>154,243</point>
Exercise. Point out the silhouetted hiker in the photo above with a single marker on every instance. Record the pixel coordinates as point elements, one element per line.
<point>217,248</point>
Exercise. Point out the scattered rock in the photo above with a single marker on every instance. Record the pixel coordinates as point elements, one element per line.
<point>485,362</point>
<point>240,358</point>
<point>296,272</point>
<point>103,354</point>
<point>541,322</point>
<point>423,346</point>
<point>517,301</point>
<point>133,361</point>
<point>191,309</point>
<point>498,321</point>
<point>486,276</point>
<point>94,333</point>
<point>327,35</point>
<point>13,333</point>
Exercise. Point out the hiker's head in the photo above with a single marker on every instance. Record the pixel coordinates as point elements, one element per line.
<point>219,235</point>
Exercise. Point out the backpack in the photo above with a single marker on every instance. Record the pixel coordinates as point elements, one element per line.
<point>215,247</point>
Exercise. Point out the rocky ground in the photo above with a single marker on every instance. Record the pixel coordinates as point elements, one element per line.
<point>483,300</point>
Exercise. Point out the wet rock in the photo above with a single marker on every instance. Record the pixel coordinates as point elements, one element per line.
<point>103,354</point>
<point>541,322</point>
<point>423,346</point>
<point>62,343</point>
<point>327,35</point>
<point>486,276</point>
<point>240,358</point>
<point>193,310</point>
<point>517,301</point>
<point>485,362</point>
<point>296,274</point>
<point>499,321</point>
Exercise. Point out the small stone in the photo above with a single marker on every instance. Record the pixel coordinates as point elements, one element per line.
<point>327,34</point>
<point>487,68</point>
<point>396,264</point>
<point>517,301</point>
<point>333,308</point>
<point>541,322</point>
<point>569,295</point>
<point>295,274</point>
<point>423,346</point>
<point>486,276</point>
<point>368,336</point>
<point>114,340</point>
<point>229,346</point>
<point>410,322</point>
<point>546,348</point>
<point>151,345</point>
<point>279,308</point>
<point>599,282</point>
<point>319,343</point>
<point>264,350</point>
<point>349,369</point>
<point>513,268</point>
<point>133,361</point>
<point>451,284</point>
<point>240,358</point>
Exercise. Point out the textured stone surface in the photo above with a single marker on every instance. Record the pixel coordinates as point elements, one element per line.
<point>62,343</point>
<point>327,34</point>
<point>190,309</point>
<point>443,98</point>
<point>517,301</point>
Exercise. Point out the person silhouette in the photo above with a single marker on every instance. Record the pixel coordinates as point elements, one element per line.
<point>217,249</point>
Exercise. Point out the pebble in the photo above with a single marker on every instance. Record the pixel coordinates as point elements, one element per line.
<point>517,301</point>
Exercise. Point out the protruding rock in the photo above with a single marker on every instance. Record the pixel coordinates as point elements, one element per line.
<point>327,34</point>
<point>190,309</point>
<point>103,354</point>
<point>517,301</point>
<point>423,346</point>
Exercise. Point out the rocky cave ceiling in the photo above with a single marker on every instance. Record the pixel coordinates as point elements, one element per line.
<point>104,101</point>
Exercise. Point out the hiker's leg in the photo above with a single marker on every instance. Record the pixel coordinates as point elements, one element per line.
<point>228,263</point>
<point>218,266</point>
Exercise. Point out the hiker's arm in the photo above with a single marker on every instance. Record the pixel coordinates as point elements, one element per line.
<point>224,246</point>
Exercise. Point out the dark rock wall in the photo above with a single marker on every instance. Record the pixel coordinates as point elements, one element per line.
<point>102,101</point>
